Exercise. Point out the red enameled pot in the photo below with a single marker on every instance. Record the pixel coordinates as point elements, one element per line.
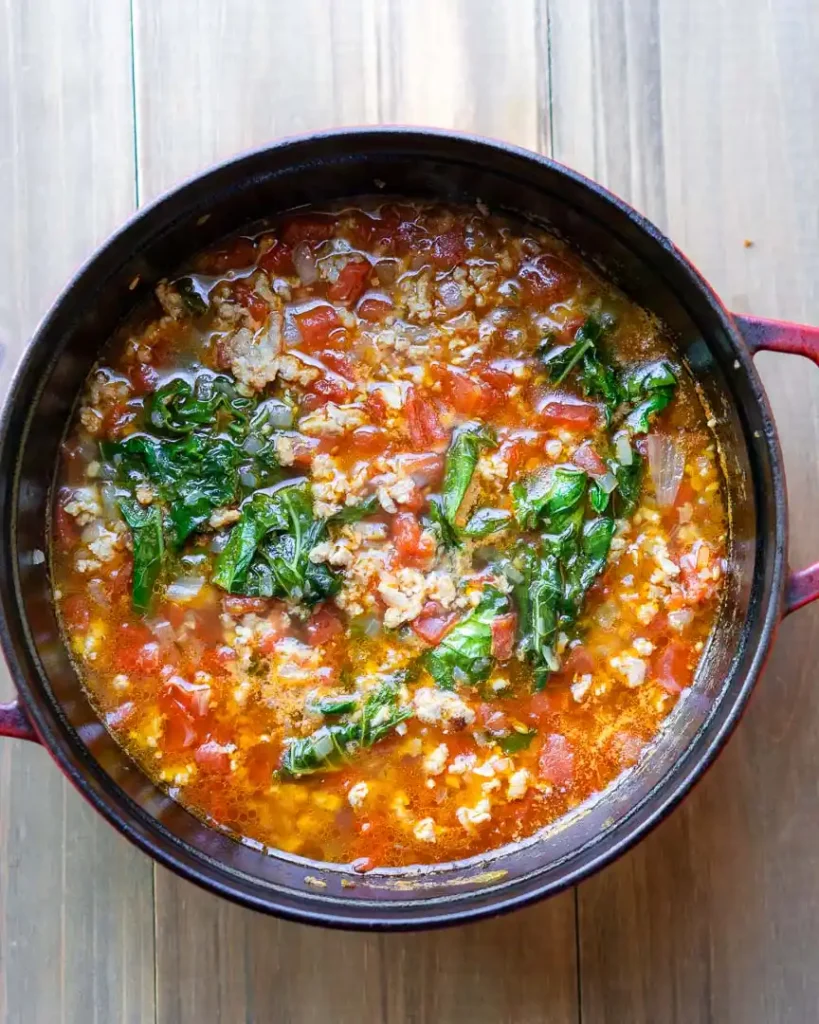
<point>718,347</point>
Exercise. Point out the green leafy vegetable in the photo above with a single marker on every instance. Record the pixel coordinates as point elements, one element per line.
<point>355,513</point>
<point>547,494</point>
<point>261,514</point>
<point>461,459</point>
<point>445,533</point>
<point>515,742</point>
<point>486,521</point>
<point>537,596</point>
<point>342,704</point>
<point>624,498</point>
<point>331,746</point>
<point>649,389</point>
<point>180,408</point>
<point>149,549</point>
<point>587,564</point>
<point>596,377</point>
<point>465,653</point>
<point>193,295</point>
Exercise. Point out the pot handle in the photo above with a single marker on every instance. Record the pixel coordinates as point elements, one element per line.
<point>798,340</point>
<point>14,722</point>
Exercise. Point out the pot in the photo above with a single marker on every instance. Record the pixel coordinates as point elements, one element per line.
<point>52,707</point>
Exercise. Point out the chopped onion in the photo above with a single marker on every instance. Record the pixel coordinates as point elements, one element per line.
<point>278,414</point>
<point>248,480</point>
<point>290,331</point>
<point>387,270</point>
<point>253,444</point>
<point>367,625</point>
<point>622,447</point>
<point>305,263</point>
<point>219,542</point>
<point>607,482</point>
<point>108,494</point>
<point>451,295</point>
<point>666,463</point>
<point>98,593</point>
<point>185,588</point>
<point>162,630</point>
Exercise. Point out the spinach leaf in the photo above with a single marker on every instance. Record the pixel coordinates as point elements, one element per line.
<point>625,497</point>
<point>461,459</point>
<point>546,495</point>
<point>649,389</point>
<point>179,408</point>
<point>537,596</point>
<point>486,521</point>
<point>586,565</point>
<point>332,746</point>
<point>149,549</point>
<point>516,741</point>
<point>261,514</point>
<point>355,513</point>
<point>597,378</point>
<point>193,295</point>
<point>465,653</point>
<point>341,704</point>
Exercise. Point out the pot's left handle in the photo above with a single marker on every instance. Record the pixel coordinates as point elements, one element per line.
<point>798,340</point>
<point>14,722</point>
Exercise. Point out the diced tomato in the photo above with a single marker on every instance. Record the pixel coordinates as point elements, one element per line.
<point>578,662</point>
<point>376,406</point>
<point>323,625</point>
<point>278,259</point>
<point>239,253</point>
<point>587,458</point>
<point>625,748</point>
<point>65,525</point>
<point>116,417</point>
<point>548,279</point>
<point>180,730</point>
<point>313,227</point>
<point>434,622</point>
<point>235,604</point>
<point>672,667</point>
<point>468,395</point>
<point>193,697</point>
<point>359,228</point>
<point>399,231</point>
<point>504,628</point>
<point>367,441</point>
<point>686,495</point>
<point>542,705</point>
<point>143,378</point>
<point>213,757</point>
<point>324,390</point>
<point>118,582</point>
<point>556,760</point>
<point>260,763</point>
<point>499,380</point>
<point>320,326</point>
<point>574,415</point>
<point>253,303</point>
<point>448,250</point>
<point>412,545</point>
<point>76,613</point>
<point>351,282</point>
<point>374,308</point>
<point>339,363</point>
<point>422,418</point>
<point>135,650</point>
<point>216,659</point>
<point>425,468</point>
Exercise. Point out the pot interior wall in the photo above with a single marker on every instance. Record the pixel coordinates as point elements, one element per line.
<point>316,171</point>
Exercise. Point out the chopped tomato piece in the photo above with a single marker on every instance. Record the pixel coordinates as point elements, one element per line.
<point>434,622</point>
<point>116,417</point>
<point>422,418</point>
<point>504,628</point>
<point>587,458</point>
<point>339,363</point>
<point>65,525</point>
<point>374,308</point>
<point>278,259</point>
<point>351,282</point>
<point>135,649</point>
<point>468,395</point>
<point>412,545</point>
<point>359,227</point>
<point>548,279</point>
<point>556,760</point>
<point>425,468</point>
<point>260,763</point>
<point>76,613</point>
<point>143,378</point>
<point>625,748</point>
<point>314,227</point>
<point>239,253</point>
<point>672,667</point>
<point>542,705</point>
<point>376,406</point>
<point>499,380</point>
<point>448,250</point>
<point>578,662</point>
<point>494,721</point>
<point>324,390</point>
<point>578,415</point>
<point>320,326</point>
<point>180,730</point>
<point>213,757</point>
<point>367,441</point>
<point>686,495</point>
<point>193,697</point>
<point>324,624</point>
<point>253,303</point>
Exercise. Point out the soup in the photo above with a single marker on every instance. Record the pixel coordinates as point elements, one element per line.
<point>390,535</point>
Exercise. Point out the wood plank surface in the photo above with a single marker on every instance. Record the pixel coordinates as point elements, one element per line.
<point>472,65</point>
<point>76,927</point>
<point>703,114</point>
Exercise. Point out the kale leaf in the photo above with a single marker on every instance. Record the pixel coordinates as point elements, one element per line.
<point>179,408</point>
<point>149,549</point>
<point>461,459</point>
<point>465,653</point>
<point>547,494</point>
<point>648,390</point>
<point>596,377</point>
<point>537,596</point>
<point>486,521</point>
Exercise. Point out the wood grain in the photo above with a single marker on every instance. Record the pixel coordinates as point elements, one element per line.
<point>703,115</point>
<point>474,65</point>
<point>76,930</point>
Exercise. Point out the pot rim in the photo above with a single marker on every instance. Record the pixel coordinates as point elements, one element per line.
<point>76,763</point>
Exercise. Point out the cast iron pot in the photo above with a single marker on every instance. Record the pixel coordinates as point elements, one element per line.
<point>718,347</point>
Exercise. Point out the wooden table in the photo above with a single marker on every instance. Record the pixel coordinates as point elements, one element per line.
<point>702,113</point>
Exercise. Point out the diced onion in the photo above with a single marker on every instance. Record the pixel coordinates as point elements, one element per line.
<point>253,444</point>
<point>248,480</point>
<point>162,630</point>
<point>184,588</point>
<point>279,414</point>
<point>622,448</point>
<point>108,494</point>
<point>367,625</point>
<point>666,463</point>
<point>305,263</point>
<point>607,482</point>
<point>219,542</point>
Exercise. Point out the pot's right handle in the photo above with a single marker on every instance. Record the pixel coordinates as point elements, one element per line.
<point>13,722</point>
<point>799,340</point>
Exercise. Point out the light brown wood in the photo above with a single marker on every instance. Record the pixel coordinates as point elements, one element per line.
<point>76,928</point>
<point>703,115</point>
